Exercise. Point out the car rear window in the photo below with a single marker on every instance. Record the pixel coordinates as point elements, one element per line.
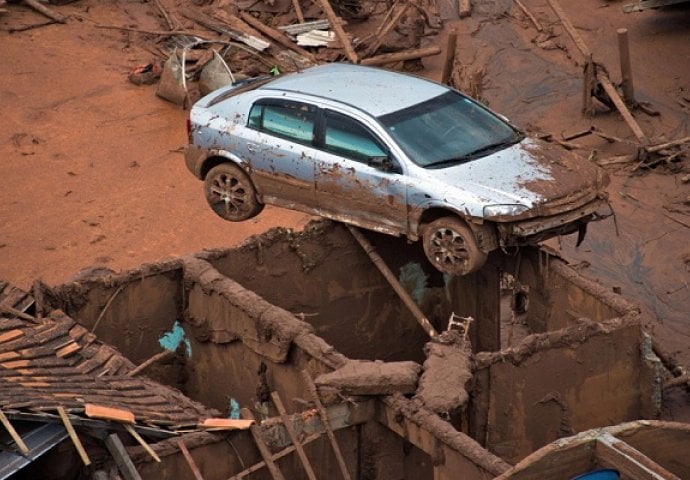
<point>291,120</point>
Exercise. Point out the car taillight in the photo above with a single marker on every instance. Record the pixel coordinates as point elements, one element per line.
<point>189,130</point>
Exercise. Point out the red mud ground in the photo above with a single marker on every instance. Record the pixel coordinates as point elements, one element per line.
<point>91,172</point>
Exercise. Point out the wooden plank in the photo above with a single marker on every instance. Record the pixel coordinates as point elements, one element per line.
<point>622,108</point>
<point>190,460</point>
<point>157,357</point>
<point>119,454</point>
<point>449,62</point>
<point>68,350</point>
<point>631,463</point>
<point>293,436</point>
<point>73,435</point>
<point>226,424</point>
<point>402,56</point>
<point>565,21</point>
<point>17,313</point>
<point>13,433</point>
<point>311,388</point>
<point>261,445</point>
<point>337,27</point>
<point>142,442</point>
<point>298,11</point>
<point>108,413</point>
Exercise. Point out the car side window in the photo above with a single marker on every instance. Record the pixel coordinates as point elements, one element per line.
<point>347,137</point>
<point>291,120</point>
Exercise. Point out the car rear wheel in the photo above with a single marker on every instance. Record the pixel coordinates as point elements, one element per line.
<point>231,194</point>
<point>451,247</point>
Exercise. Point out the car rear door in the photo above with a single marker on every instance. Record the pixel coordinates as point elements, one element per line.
<point>278,143</point>
<point>356,178</point>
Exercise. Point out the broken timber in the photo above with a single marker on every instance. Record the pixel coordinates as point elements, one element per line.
<point>311,388</point>
<point>39,7</point>
<point>122,460</point>
<point>336,25</point>
<point>73,435</point>
<point>261,445</point>
<point>401,56</point>
<point>386,272</point>
<point>293,436</point>
<point>189,459</point>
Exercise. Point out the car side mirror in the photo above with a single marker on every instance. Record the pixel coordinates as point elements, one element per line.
<point>385,164</point>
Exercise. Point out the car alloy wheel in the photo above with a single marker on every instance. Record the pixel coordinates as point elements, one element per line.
<point>231,194</point>
<point>451,247</point>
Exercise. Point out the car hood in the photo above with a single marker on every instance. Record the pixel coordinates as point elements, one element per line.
<point>529,173</point>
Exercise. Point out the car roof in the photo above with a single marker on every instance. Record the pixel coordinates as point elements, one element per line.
<point>373,90</point>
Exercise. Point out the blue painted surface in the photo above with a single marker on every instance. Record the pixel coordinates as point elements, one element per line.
<point>171,340</point>
<point>605,474</point>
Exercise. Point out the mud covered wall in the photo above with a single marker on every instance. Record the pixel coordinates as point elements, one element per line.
<point>133,310</point>
<point>559,295</point>
<point>556,384</point>
<point>324,275</point>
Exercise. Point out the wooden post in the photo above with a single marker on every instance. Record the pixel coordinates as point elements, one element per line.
<point>449,63</point>
<point>13,433</point>
<point>298,11</point>
<point>293,436</point>
<point>190,460</point>
<point>122,460</point>
<point>386,272</point>
<point>626,69</point>
<point>588,82</point>
<point>326,425</point>
<point>142,442</point>
<point>261,445</point>
<point>337,27</point>
<point>73,435</point>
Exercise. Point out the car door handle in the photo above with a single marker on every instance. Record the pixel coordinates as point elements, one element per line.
<point>252,147</point>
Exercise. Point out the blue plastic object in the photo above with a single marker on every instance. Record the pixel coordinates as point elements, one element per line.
<point>603,474</point>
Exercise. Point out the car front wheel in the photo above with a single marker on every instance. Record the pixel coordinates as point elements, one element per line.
<point>231,194</point>
<point>451,247</point>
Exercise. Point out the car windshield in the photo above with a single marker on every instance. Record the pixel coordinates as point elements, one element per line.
<point>447,130</point>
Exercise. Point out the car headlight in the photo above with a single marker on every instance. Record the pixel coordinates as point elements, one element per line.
<point>504,210</point>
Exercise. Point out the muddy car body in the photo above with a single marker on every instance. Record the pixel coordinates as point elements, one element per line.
<point>388,152</point>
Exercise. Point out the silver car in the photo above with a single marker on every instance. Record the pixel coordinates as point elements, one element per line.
<point>389,152</point>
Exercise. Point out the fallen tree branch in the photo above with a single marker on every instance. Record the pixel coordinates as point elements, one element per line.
<point>39,7</point>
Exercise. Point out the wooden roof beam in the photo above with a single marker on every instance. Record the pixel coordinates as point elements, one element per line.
<point>630,462</point>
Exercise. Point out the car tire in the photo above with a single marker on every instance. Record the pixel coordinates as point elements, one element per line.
<point>231,194</point>
<point>451,247</point>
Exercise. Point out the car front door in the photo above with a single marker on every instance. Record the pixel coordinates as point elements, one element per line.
<point>279,144</point>
<point>357,180</point>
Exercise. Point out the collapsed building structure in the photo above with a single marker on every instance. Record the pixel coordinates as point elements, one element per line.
<point>301,333</point>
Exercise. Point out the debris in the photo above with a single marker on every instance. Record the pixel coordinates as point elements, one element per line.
<point>311,388</point>
<point>315,38</point>
<point>276,474</point>
<point>304,27</point>
<point>366,377</point>
<point>336,25</point>
<point>401,56</point>
<point>214,75</point>
<point>385,29</point>
<point>145,74</point>
<point>13,433</point>
<point>465,8</point>
<point>529,15</point>
<point>309,470</point>
<point>23,28</point>
<point>226,424</point>
<point>108,413</point>
<point>173,82</point>
<point>142,442</point>
<point>275,35</point>
<point>73,436</point>
<point>39,7</point>
<point>206,21</point>
<point>449,64</point>
<point>298,10</point>
<point>121,457</point>
<point>156,358</point>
